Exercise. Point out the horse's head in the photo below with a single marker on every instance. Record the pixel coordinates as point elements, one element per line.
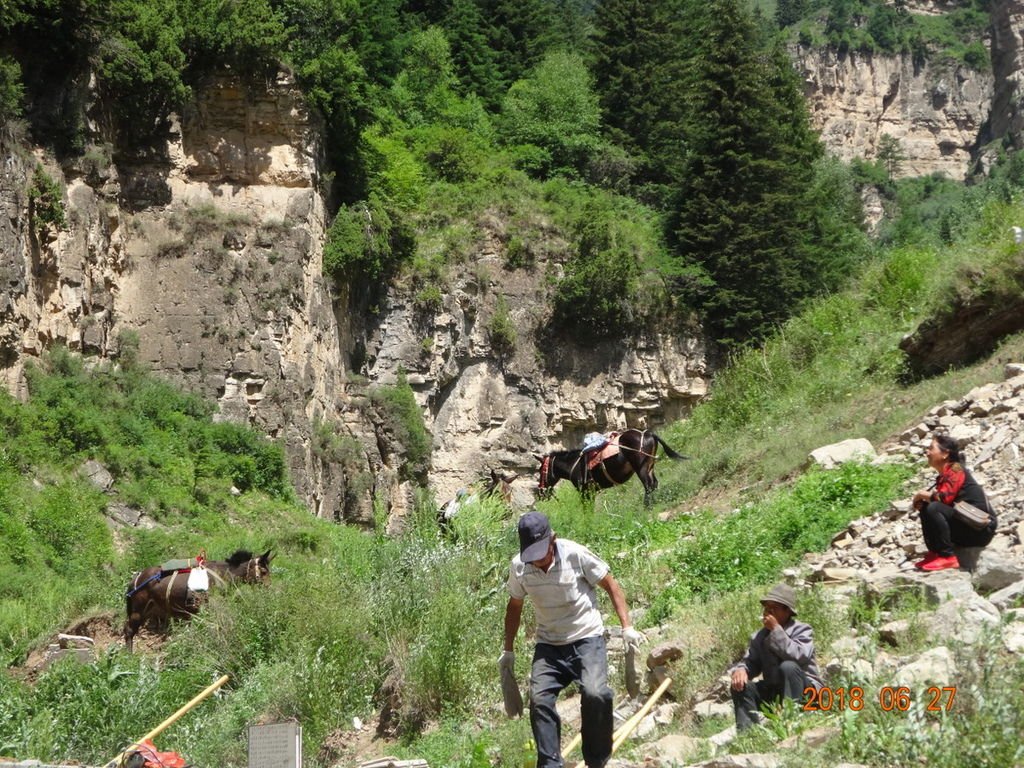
<point>246,567</point>
<point>499,484</point>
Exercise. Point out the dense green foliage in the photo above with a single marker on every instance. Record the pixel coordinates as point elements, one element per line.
<point>46,199</point>
<point>12,92</point>
<point>422,101</point>
<point>872,25</point>
<point>402,419</point>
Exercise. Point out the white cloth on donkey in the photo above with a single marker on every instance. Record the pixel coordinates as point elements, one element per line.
<point>198,579</point>
<point>593,441</point>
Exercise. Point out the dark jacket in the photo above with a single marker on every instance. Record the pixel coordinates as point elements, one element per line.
<point>793,641</point>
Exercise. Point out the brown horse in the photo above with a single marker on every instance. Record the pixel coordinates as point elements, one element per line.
<point>637,453</point>
<point>158,594</point>
<point>499,485</point>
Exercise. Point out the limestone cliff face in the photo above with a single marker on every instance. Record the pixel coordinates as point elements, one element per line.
<point>937,112</point>
<point>490,408</point>
<point>947,117</point>
<point>1008,69</point>
<point>208,249</point>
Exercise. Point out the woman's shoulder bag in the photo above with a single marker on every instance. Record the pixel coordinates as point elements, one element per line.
<point>969,514</point>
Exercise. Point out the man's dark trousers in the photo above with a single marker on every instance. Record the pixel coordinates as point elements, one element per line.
<point>554,668</point>
<point>791,685</point>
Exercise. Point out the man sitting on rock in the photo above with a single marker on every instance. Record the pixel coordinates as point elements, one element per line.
<point>782,653</point>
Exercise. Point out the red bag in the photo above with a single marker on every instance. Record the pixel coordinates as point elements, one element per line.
<point>146,755</point>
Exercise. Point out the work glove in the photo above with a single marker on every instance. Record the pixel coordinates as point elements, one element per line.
<point>509,687</point>
<point>632,637</point>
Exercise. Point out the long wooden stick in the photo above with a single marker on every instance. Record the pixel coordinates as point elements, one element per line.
<point>630,725</point>
<point>627,727</point>
<point>115,763</point>
<point>634,721</point>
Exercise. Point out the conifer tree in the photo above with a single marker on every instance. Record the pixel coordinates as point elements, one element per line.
<point>741,212</point>
<point>520,33</point>
<point>626,53</point>
<point>789,11</point>
<point>473,58</point>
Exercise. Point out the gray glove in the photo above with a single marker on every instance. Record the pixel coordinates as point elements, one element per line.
<point>509,687</point>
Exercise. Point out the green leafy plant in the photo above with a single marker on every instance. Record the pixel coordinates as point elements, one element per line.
<point>501,329</point>
<point>401,419</point>
<point>47,199</point>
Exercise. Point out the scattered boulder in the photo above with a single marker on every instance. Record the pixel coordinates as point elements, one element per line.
<point>97,474</point>
<point>831,456</point>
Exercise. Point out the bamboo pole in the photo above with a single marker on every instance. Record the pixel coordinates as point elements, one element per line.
<point>115,763</point>
<point>572,745</point>
<point>627,727</point>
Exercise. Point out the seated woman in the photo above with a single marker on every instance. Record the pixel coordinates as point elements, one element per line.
<point>940,526</point>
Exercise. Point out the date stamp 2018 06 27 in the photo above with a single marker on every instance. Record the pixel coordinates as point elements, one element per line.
<point>890,698</point>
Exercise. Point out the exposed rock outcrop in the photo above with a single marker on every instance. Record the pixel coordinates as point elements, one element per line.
<point>489,407</point>
<point>936,111</point>
<point>207,250</point>
<point>964,332</point>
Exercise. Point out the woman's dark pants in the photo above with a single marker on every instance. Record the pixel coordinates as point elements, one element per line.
<point>942,530</point>
<point>748,701</point>
<point>554,668</point>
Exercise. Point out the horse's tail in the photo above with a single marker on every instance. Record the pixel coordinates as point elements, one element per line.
<point>668,451</point>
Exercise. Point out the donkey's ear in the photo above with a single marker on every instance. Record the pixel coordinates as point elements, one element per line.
<point>267,556</point>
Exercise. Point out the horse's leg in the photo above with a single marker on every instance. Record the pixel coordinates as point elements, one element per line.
<point>131,627</point>
<point>139,608</point>
<point>645,471</point>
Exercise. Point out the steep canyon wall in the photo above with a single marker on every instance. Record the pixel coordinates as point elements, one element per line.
<point>208,249</point>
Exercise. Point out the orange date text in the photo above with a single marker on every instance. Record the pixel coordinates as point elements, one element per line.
<point>890,698</point>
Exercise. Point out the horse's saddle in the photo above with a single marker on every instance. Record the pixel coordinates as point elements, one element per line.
<point>185,564</point>
<point>609,449</point>
<point>198,576</point>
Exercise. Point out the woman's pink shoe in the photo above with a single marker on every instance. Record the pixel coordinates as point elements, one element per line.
<point>941,563</point>
<point>929,556</point>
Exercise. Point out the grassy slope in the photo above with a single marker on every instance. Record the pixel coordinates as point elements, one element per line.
<point>352,615</point>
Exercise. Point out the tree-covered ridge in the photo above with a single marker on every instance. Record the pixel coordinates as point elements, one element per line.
<point>637,117</point>
<point>872,25</point>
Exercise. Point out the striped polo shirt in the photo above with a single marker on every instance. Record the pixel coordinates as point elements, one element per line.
<point>564,600</point>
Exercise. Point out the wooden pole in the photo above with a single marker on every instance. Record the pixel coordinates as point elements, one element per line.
<point>634,721</point>
<point>115,763</point>
<point>630,725</point>
<point>572,745</point>
<point>627,727</point>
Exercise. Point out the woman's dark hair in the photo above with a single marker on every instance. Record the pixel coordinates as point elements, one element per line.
<point>951,446</point>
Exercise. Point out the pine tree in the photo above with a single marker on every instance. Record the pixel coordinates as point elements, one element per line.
<point>789,11</point>
<point>474,61</point>
<point>626,53</point>
<point>519,32</point>
<point>640,50</point>
<point>741,213</point>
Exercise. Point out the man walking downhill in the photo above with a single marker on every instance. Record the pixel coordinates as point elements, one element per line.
<point>559,576</point>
